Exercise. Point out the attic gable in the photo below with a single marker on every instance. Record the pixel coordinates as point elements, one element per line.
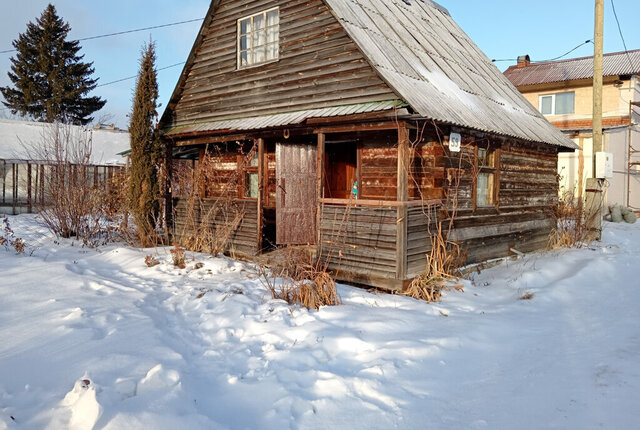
<point>319,66</point>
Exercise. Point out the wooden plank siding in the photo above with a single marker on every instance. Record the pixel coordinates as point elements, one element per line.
<point>319,65</point>
<point>421,223</point>
<point>243,239</point>
<point>359,243</point>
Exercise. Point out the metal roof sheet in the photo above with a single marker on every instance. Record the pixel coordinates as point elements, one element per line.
<point>613,64</point>
<point>290,118</point>
<point>437,69</point>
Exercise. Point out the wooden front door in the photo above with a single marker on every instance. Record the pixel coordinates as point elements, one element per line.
<point>296,199</point>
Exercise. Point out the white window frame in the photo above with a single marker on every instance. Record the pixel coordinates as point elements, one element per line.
<point>250,48</point>
<point>553,103</point>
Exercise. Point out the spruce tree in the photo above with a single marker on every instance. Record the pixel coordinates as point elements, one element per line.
<point>146,148</point>
<point>51,81</point>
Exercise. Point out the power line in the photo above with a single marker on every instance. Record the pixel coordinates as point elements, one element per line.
<point>552,59</point>
<point>134,77</point>
<point>119,33</point>
<point>613,6</point>
<point>567,53</point>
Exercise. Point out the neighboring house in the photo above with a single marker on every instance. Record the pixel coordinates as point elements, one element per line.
<point>563,92</point>
<point>26,159</point>
<point>349,106</point>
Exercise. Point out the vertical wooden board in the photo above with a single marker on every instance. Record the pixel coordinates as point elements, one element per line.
<point>320,184</point>
<point>402,196</point>
<point>261,190</point>
<point>296,193</point>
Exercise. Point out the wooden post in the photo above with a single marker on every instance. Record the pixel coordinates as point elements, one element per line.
<point>260,143</point>
<point>593,209</point>
<point>403,197</point>
<point>168,197</point>
<point>29,199</point>
<point>320,187</point>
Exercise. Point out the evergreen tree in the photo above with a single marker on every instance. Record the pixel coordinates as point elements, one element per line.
<point>146,148</point>
<point>50,79</point>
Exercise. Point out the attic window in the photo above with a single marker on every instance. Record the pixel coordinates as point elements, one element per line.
<point>258,38</point>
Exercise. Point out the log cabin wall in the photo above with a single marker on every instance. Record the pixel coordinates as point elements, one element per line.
<point>379,166</point>
<point>426,172</point>
<point>242,241</point>
<point>521,217</point>
<point>318,65</point>
<point>210,195</point>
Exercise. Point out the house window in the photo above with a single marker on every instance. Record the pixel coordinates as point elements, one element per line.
<point>557,104</point>
<point>487,177</point>
<point>258,38</point>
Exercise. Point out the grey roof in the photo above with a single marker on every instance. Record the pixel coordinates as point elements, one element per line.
<point>426,58</point>
<point>289,118</point>
<point>613,64</point>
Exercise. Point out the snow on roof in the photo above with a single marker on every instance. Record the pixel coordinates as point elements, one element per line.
<point>16,137</point>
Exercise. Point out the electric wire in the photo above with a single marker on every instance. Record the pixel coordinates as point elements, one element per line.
<point>551,59</point>
<point>624,44</point>
<point>119,33</point>
<point>134,77</point>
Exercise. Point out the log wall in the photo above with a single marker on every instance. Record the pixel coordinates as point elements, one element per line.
<point>522,217</point>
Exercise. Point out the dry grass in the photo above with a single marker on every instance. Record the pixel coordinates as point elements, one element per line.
<point>571,229</point>
<point>442,263</point>
<point>151,261</point>
<point>212,216</point>
<point>8,238</point>
<point>527,296</point>
<point>178,257</point>
<point>298,278</point>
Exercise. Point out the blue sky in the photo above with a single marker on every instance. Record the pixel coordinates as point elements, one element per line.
<point>502,29</point>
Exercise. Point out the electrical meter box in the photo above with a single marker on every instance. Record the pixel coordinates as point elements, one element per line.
<point>604,165</point>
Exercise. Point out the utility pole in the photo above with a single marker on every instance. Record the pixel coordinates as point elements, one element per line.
<point>597,81</point>
<point>594,198</point>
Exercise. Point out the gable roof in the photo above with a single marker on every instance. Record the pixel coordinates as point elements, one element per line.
<point>613,64</point>
<point>432,65</point>
<point>18,138</point>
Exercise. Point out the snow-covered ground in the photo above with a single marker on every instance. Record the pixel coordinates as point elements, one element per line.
<point>96,339</point>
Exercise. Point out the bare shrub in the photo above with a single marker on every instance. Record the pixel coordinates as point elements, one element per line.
<point>570,226</point>
<point>75,204</point>
<point>299,278</point>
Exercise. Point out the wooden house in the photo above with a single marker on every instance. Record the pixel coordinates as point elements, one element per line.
<point>563,91</point>
<point>349,106</point>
